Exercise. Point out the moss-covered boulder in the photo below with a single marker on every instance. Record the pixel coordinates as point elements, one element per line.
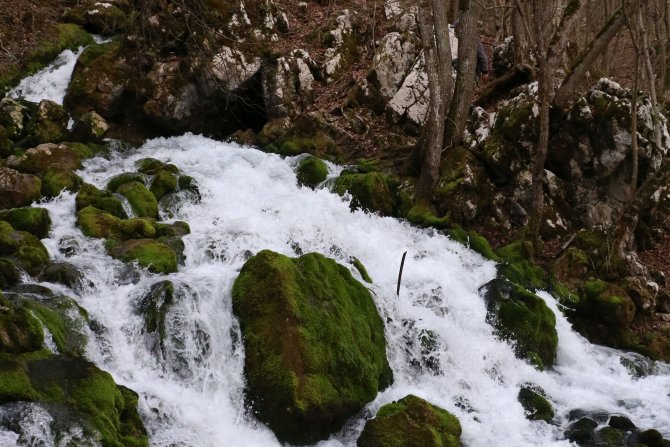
<point>373,192</point>
<point>152,166</point>
<point>137,228</point>
<point>607,304</point>
<point>107,411</point>
<point>154,306</point>
<point>49,124</point>
<point>121,179</point>
<point>103,200</point>
<point>35,221</point>
<point>63,273</point>
<point>55,181</point>
<point>518,266</point>
<point>154,255</point>
<point>314,343</point>
<point>18,189</point>
<point>178,228</point>
<point>523,318</point>
<point>141,200</point>
<point>97,223</point>
<point>10,274</point>
<point>537,407</point>
<point>20,330</point>
<point>22,248</point>
<point>164,182</point>
<point>311,171</point>
<point>411,422</point>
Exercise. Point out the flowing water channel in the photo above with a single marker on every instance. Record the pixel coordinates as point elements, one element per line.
<point>191,393</point>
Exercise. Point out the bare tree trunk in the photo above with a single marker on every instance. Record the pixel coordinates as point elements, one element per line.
<point>651,78</point>
<point>633,130</point>
<point>465,78</point>
<point>595,49</point>
<point>520,36</point>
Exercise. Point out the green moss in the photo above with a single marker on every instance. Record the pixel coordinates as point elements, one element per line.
<point>154,255</point>
<point>55,181</point>
<point>178,228</point>
<point>163,183</point>
<point>65,320</point>
<point>607,304</point>
<point>314,341</point>
<point>152,166</point>
<point>610,437</point>
<point>565,296</point>
<point>137,228</point>
<point>312,171</point>
<point>97,223</point>
<point>411,422</point>
<point>474,241</point>
<point>142,201</point>
<point>118,180</point>
<point>361,269</point>
<point>86,150</point>
<point>524,318</point>
<point>369,192</point>
<point>103,200</point>
<point>14,383</point>
<point>35,221</point>
<point>423,215</point>
<point>23,248</point>
<point>9,274</point>
<point>19,330</point>
<point>519,267</point>
<point>537,407</point>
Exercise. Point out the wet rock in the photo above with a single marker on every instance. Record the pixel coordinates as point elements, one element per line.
<point>115,182</point>
<point>18,189</point>
<point>308,369</point>
<point>97,223</point>
<point>137,228</point>
<point>373,192</point>
<point>536,406</point>
<point>35,221</point>
<point>581,431</point>
<point>621,423</point>
<point>178,228</point>
<point>20,331</point>
<point>22,248</point>
<point>152,166</point>
<point>525,319</point>
<point>153,255</point>
<point>163,183</point>
<point>411,421</point>
<point>10,275</point>
<point>63,273</point>
<point>154,306</point>
<point>90,127</point>
<point>141,200</point>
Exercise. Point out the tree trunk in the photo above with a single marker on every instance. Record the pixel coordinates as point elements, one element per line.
<point>651,76</point>
<point>465,78</point>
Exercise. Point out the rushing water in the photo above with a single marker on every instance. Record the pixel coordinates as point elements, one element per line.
<point>192,394</point>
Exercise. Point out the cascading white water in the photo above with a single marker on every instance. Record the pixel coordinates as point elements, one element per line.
<point>192,393</point>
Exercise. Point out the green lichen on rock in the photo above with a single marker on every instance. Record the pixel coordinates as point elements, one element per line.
<point>151,254</point>
<point>312,171</point>
<point>35,221</point>
<point>314,343</point>
<point>537,407</point>
<point>108,411</point>
<point>411,422</point>
<point>525,319</point>
<point>141,200</point>
<point>103,200</point>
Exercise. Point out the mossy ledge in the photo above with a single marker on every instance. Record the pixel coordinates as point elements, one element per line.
<point>314,342</point>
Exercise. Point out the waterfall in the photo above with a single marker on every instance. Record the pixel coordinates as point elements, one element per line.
<point>191,393</point>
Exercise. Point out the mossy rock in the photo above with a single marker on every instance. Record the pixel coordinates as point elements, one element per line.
<point>48,124</point>
<point>178,228</point>
<point>369,192</point>
<point>537,407</point>
<point>24,249</point>
<point>107,410</point>
<point>187,183</point>
<point>152,166</point>
<point>423,215</point>
<point>163,183</point>
<point>97,223</point>
<point>154,306</point>
<point>137,228</point>
<point>6,145</point>
<point>525,319</point>
<point>55,181</point>
<point>20,331</point>
<point>518,266</point>
<point>18,189</point>
<point>141,200</point>
<point>314,343</point>
<point>35,221</point>
<point>10,275</point>
<point>87,150</point>
<point>176,243</point>
<point>607,304</point>
<point>474,241</point>
<point>103,200</point>
<point>610,437</point>
<point>582,430</point>
<point>62,316</point>
<point>153,255</point>
<point>411,422</point>
<point>311,172</point>
<point>63,273</point>
<point>121,179</point>
<point>362,270</point>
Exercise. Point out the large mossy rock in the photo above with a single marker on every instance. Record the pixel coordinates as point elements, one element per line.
<point>314,342</point>
<point>107,411</point>
<point>154,255</point>
<point>374,192</point>
<point>103,200</point>
<point>311,171</point>
<point>20,330</point>
<point>22,248</point>
<point>524,318</point>
<point>411,422</point>
<point>35,221</point>
<point>18,189</point>
<point>536,406</point>
<point>141,200</point>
